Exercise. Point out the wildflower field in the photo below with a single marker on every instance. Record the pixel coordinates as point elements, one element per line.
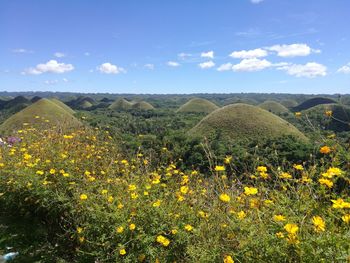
<point>100,205</point>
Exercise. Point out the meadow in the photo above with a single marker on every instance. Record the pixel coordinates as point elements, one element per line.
<point>165,181</point>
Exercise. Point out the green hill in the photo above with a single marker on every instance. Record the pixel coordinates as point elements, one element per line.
<point>198,105</point>
<point>234,100</point>
<point>345,100</point>
<point>244,122</point>
<point>120,104</point>
<point>62,105</point>
<point>340,120</point>
<point>289,103</point>
<point>40,114</point>
<point>142,105</point>
<point>274,107</point>
<point>313,102</point>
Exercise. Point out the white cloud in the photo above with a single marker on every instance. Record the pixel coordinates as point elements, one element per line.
<point>173,63</point>
<point>183,55</point>
<point>51,66</point>
<point>254,53</point>
<point>109,68</point>
<point>87,54</point>
<point>344,69</point>
<point>293,50</point>
<point>209,54</point>
<point>208,64</point>
<point>59,55</point>
<point>65,80</point>
<point>149,66</point>
<point>252,64</point>
<point>309,70</point>
<point>225,67</point>
<point>256,1</point>
<point>51,82</point>
<point>21,50</point>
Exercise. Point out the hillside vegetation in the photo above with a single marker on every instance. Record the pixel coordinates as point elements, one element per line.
<point>48,112</point>
<point>274,107</point>
<point>312,103</point>
<point>244,122</point>
<point>198,105</point>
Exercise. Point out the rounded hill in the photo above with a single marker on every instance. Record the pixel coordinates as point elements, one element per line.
<point>142,105</point>
<point>333,117</point>
<point>120,104</point>
<point>244,122</point>
<point>40,114</point>
<point>62,105</point>
<point>289,103</point>
<point>274,107</point>
<point>313,102</point>
<point>198,105</point>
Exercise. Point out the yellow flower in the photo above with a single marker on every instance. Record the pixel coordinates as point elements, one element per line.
<point>120,229</point>
<point>291,228</point>
<point>219,168</point>
<point>329,113</point>
<point>174,231</point>
<point>241,214</point>
<point>298,114</point>
<point>340,203</point>
<point>122,251</point>
<point>83,197</point>
<point>298,167</point>
<point>285,176</point>
<point>110,199</point>
<point>79,230</point>
<point>332,171</point>
<point>134,195</point>
<point>279,218</point>
<point>81,239</point>
<point>279,235</point>
<point>261,169</point>
<point>325,149</point>
<point>104,191</point>
<point>132,227</point>
<point>163,240</point>
<point>132,187</point>
<point>228,159</point>
<point>319,224</point>
<point>326,182</point>
<point>39,172</point>
<point>157,203</point>
<point>250,190</point>
<point>228,259</point>
<point>346,218</point>
<point>184,189</point>
<point>120,206</point>
<point>225,198</point>
<point>188,228</point>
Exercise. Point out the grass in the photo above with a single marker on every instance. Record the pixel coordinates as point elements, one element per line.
<point>274,107</point>
<point>198,105</point>
<point>62,105</point>
<point>244,122</point>
<point>45,110</point>
<point>313,102</point>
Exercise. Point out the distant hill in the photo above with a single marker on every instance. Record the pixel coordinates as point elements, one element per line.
<point>240,100</point>
<point>120,104</point>
<point>340,120</point>
<point>41,114</point>
<point>15,102</point>
<point>81,102</point>
<point>142,105</point>
<point>198,105</point>
<point>313,102</point>
<point>289,103</point>
<point>274,107</point>
<point>244,122</point>
<point>35,99</point>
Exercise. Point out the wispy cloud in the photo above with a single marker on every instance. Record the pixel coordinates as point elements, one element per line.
<point>173,64</point>
<point>254,53</point>
<point>256,1</point>
<point>52,66</point>
<point>207,64</point>
<point>22,50</point>
<point>108,68</point>
<point>344,69</point>
<point>308,70</point>
<point>149,66</point>
<point>208,54</point>
<point>59,55</point>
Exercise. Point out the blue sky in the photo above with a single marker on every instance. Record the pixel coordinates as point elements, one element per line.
<point>182,46</point>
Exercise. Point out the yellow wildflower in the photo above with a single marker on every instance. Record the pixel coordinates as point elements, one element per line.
<point>83,197</point>
<point>319,224</point>
<point>228,259</point>
<point>346,218</point>
<point>120,229</point>
<point>298,167</point>
<point>219,168</point>
<point>326,182</point>
<point>279,218</point>
<point>250,190</point>
<point>225,198</point>
<point>325,149</point>
<point>291,228</point>
<point>132,227</point>
<point>122,251</point>
<point>188,228</point>
<point>340,203</point>
<point>285,176</point>
<point>163,240</point>
<point>157,203</point>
